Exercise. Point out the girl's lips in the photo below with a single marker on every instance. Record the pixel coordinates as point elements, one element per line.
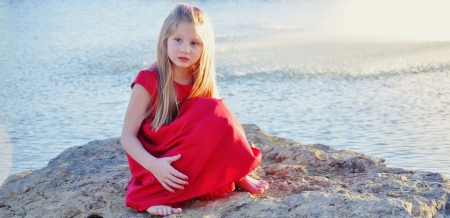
<point>183,59</point>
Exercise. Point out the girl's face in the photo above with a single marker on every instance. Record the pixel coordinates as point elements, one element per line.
<point>184,47</point>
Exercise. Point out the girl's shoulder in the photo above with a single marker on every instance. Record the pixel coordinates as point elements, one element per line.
<point>148,79</point>
<point>147,74</point>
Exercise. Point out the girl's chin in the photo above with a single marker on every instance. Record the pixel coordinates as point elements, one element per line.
<point>181,66</point>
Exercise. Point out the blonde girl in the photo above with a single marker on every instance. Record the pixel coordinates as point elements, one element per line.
<point>182,142</point>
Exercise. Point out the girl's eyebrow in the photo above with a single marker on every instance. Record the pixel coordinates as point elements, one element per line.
<point>181,36</point>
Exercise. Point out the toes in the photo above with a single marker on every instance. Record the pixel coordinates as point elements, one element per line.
<point>152,211</point>
<point>163,210</point>
<point>263,184</point>
<point>176,210</point>
<point>259,191</point>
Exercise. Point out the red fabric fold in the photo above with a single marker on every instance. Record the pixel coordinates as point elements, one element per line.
<point>213,147</point>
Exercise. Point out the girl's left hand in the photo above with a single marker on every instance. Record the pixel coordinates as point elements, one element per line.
<point>168,176</point>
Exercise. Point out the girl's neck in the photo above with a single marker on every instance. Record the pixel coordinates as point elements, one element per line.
<point>182,76</point>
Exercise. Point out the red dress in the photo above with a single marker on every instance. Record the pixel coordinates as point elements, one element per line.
<point>213,147</point>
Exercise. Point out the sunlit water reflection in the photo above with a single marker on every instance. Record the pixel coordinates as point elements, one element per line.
<point>298,72</point>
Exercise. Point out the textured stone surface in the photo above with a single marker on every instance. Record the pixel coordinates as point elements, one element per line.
<point>305,181</point>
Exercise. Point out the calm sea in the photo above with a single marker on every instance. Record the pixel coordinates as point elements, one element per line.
<point>355,75</point>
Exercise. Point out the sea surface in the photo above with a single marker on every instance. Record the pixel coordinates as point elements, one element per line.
<point>368,76</point>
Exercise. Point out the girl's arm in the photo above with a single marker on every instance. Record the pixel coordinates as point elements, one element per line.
<point>160,167</point>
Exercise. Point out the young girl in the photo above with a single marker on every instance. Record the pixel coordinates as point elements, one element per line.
<point>181,141</point>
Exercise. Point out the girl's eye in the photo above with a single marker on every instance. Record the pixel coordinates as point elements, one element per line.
<point>177,40</point>
<point>194,43</point>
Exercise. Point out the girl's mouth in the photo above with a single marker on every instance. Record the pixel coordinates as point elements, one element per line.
<point>183,59</point>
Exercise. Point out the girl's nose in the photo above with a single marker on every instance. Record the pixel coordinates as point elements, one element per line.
<point>184,48</point>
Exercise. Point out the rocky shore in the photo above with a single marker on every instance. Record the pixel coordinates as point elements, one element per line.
<point>305,181</point>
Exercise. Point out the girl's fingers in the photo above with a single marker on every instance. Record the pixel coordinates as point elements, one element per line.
<point>173,158</point>
<point>174,185</point>
<point>168,188</point>
<point>178,181</point>
<point>176,173</point>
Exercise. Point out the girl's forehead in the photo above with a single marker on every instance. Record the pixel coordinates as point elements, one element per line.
<point>185,26</point>
<point>187,30</point>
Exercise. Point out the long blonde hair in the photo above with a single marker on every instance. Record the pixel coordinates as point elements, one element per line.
<point>165,107</point>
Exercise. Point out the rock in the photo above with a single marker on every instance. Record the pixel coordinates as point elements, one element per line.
<point>305,181</point>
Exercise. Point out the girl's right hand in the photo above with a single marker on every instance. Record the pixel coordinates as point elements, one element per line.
<point>168,176</point>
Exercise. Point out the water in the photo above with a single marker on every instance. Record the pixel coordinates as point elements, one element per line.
<point>348,74</point>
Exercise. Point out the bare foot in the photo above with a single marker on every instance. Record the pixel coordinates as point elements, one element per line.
<point>252,185</point>
<point>163,210</point>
